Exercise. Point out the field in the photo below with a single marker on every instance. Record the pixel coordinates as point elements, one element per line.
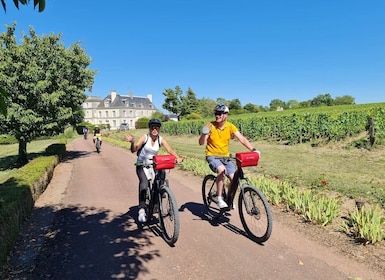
<point>355,173</point>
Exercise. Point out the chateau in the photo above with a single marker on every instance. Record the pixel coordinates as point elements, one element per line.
<point>115,109</point>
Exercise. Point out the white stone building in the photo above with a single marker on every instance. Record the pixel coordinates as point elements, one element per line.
<point>117,109</point>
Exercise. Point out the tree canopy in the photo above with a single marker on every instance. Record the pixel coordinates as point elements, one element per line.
<point>40,3</point>
<point>46,84</point>
<point>186,104</point>
<point>3,93</point>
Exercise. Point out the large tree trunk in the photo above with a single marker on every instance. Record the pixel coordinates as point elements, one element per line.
<point>22,158</point>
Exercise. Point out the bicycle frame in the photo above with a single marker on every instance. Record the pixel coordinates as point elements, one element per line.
<point>159,194</point>
<point>97,144</point>
<point>253,207</point>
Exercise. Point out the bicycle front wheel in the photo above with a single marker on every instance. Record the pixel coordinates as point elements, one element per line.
<point>255,214</point>
<point>168,215</point>
<point>98,146</point>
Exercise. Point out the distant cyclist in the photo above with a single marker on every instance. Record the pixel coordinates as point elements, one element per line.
<point>148,146</point>
<point>97,133</point>
<point>85,132</point>
<point>217,135</point>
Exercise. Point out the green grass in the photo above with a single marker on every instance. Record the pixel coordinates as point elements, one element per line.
<point>9,153</point>
<point>355,173</point>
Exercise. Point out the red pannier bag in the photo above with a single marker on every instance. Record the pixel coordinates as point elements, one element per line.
<point>247,159</point>
<point>164,162</point>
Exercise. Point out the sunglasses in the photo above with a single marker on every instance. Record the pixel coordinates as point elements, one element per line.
<point>219,113</point>
<point>154,127</point>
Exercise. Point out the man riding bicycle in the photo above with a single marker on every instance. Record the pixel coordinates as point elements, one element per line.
<point>97,133</point>
<point>217,135</point>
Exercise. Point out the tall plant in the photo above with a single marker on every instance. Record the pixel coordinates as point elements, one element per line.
<point>46,83</point>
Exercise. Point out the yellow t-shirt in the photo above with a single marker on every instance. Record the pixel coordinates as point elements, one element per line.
<point>219,139</point>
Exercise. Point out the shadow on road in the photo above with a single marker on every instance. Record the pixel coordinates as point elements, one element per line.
<point>87,243</point>
<point>200,210</point>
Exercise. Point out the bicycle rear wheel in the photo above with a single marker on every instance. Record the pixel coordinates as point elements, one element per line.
<point>255,214</point>
<point>168,215</point>
<point>209,194</point>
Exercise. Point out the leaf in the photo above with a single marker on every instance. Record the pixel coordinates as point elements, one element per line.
<point>41,4</point>
<point>3,107</point>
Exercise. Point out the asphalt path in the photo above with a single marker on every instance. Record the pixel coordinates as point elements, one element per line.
<point>87,229</point>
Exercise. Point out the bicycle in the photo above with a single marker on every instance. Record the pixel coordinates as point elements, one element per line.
<point>97,144</point>
<point>159,191</point>
<point>253,207</point>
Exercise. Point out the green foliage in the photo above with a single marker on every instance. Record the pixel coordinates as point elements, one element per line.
<point>321,210</point>
<point>366,224</point>
<point>17,196</point>
<point>3,106</point>
<point>193,116</point>
<point>180,104</point>
<point>40,3</point>
<point>7,139</point>
<point>300,126</point>
<point>56,149</point>
<point>80,126</point>
<point>45,82</point>
<point>142,123</point>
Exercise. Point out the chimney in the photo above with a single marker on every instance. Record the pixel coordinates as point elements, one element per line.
<point>149,96</point>
<point>130,94</point>
<point>113,95</point>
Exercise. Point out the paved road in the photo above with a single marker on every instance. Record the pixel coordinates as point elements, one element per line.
<point>84,227</point>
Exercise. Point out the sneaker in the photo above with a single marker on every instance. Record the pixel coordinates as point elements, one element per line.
<point>142,216</point>
<point>221,203</point>
<point>233,206</point>
<point>164,195</point>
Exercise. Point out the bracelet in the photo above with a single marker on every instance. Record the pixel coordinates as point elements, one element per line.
<point>254,150</point>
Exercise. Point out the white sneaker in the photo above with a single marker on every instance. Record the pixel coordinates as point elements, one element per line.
<point>142,216</point>
<point>221,203</point>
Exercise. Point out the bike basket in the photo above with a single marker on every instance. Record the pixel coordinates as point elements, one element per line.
<point>164,162</point>
<point>247,159</point>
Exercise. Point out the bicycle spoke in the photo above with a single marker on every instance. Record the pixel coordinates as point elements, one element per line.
<point>255,214</point>
<point>169,216</point>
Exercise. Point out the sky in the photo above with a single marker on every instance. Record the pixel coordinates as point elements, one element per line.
<point>254,51</point>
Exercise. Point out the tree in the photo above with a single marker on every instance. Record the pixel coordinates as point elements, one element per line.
<point>252,108</point>
<point>275,103</point>
<point>206,107</point>
<point>189,103</point>
<point>235,104</point>
<point>322,100</point>
<point>344,100</point>
<point>3,93</point>
<point>173,100</point>
<point>40,3</point>
<point>179,104</point>
<point>46,84</point>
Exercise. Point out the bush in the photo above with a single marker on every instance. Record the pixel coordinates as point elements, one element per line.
<point>7,139</point>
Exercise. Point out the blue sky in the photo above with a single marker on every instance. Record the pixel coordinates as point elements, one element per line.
<point>252,50</point>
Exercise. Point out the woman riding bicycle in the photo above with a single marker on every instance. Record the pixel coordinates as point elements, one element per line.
<point>217,135</point>
<point>148,146</point>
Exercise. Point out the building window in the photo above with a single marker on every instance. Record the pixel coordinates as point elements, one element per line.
<point>100,114</point>
<point>106,114</point>
<point>113,114</point>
